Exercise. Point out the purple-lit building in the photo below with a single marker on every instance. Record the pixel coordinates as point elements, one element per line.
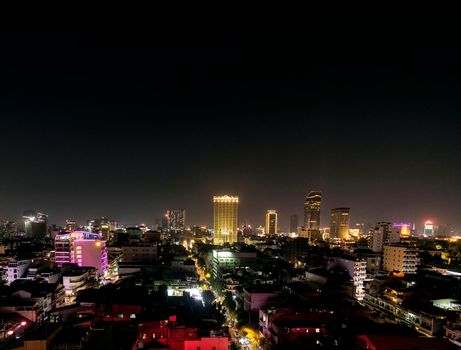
<point>82,248</point>
<point>404,229</point>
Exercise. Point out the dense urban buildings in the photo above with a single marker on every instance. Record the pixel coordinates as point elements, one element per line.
<point>225,219</point>
<point>259,276</point>
<point>339,223</point>
<point>271,222</point>
<point>346,125</point>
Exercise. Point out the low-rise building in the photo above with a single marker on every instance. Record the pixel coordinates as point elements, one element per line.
<point>76,279</point>
<point>166,334</point>
<point>257,296</point>
<point>230,259</point>
<point>357,270</point>
<point>140,252</point>
<point>284,324</point>
<point>427,320</point>
<point>16,269</point>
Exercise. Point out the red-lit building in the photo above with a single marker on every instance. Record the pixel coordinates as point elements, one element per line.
<point>165,334</point>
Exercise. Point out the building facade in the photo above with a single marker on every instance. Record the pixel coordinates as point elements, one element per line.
<point>339,223</point>
<point>229,259</point>
<point>272,222</point>
<point>428,228</point>
<point>82,248</point>
<point>225,219</point>
<point>176,219</point>
<point>399,258</point>
<point>141,252</point>
<point>357,270</point>
<point>16,269</point>
<point>384,234</point>
<point>312,210</point>
<point>404,229</point>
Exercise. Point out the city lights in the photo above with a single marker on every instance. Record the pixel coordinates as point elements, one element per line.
<point>247,183</point>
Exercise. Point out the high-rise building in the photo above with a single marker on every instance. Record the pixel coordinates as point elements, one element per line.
<point>294,223</point>
<point>404,229</point>
<point>176,219</point>
<point>272,222</point>
<point>384,234</point>
<point>35,224</point>
<point>428,228</point>
<point>312,210</point>
<point>225,219</point>
<point>339,223</point>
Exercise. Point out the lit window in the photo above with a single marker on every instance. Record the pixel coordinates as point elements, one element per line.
<point>317,330</point>
<point>132,315</point>
<point>120,315</point>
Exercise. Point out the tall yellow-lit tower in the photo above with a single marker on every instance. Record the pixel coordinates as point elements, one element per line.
<point>272,222</point>
<point>225,219</point>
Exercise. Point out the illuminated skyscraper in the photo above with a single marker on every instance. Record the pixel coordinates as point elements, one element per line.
<point>271,222</point>
<point>339,223</point>
<point>176,219</point>
<point>404,229</point>
<point>428,228</point>
<point>312,210</point>
<point>225,219</point>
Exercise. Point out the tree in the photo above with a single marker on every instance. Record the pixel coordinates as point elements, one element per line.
<point>219,314</point>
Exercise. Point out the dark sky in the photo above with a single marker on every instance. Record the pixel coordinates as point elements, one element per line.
<point>126,119</point>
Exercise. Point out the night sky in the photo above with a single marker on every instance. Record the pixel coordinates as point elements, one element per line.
<point>127,120</point>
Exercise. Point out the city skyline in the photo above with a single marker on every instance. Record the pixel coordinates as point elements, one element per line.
<point>284,221</point>
<point>251,183</point>
<point>101,124</point>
